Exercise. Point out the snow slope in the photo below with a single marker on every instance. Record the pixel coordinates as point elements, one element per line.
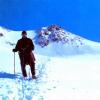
<point>62,74</point>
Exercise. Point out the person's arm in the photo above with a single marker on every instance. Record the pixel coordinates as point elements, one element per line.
<point>16,47</point>
<point>32,45</point>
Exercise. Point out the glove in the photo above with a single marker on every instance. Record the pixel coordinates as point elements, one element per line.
<point>14,50</point>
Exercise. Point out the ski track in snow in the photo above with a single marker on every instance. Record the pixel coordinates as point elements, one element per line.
<point>20,89</point>
<point>16,88</point>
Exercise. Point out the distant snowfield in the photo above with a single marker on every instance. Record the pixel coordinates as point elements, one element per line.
<point>60,77</point>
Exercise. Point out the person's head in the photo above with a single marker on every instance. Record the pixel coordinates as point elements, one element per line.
<point>24,34</point>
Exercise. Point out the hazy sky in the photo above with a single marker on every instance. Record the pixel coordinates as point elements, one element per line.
<point>81,17</point>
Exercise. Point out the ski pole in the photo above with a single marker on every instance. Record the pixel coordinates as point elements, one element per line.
<point>14,63</point>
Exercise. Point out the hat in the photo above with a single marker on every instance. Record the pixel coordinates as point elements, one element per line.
<point>24,32</point>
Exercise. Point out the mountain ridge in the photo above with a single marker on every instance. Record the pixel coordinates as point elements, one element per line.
<point>74,44</point>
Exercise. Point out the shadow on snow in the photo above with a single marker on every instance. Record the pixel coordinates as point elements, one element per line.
<point>8,75</point>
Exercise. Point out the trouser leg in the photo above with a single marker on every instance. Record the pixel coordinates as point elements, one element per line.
<point>23,70</point>
<point>32,66</point>
<point>23,65</point>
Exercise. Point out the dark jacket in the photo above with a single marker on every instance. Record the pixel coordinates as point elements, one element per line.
<point>25,46</point>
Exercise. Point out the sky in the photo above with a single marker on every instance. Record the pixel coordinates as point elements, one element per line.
<point>81,17</point>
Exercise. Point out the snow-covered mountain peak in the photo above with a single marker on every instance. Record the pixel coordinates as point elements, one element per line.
<point>56,34</point>
<point>51,41</point>
<point>54,40</point>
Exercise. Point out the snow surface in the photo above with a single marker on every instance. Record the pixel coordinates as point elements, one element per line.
<point>63,73</point>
